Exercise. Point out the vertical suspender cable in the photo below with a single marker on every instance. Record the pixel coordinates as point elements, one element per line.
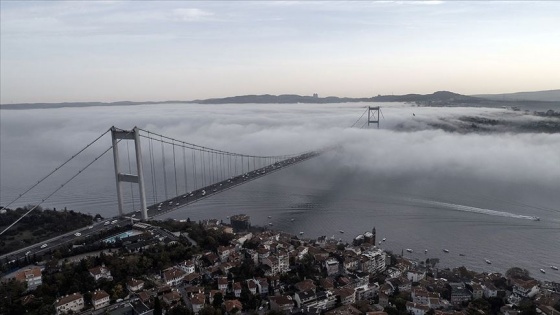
<point>152,171</point>
<point>194,169</point>
<point>185,169</point>
<point>175,169</point>
<point>164,175</point>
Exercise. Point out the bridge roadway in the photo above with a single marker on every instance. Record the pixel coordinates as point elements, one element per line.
<point>210,190</point>
<point>154,210</point>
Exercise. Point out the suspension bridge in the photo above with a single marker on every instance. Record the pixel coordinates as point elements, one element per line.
<point>170,173</point>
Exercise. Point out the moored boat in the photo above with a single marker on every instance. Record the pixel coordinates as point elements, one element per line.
<point>446,250</point>
<point>554,267</point>
<point>409,250</point>
<point>542,270</point>
<point>488,261</point>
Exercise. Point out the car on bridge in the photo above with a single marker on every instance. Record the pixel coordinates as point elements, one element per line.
<point>78,234</point>
<point>44,245</point>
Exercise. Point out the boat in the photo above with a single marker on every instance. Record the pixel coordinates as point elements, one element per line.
<point>542,270</point>
<point>300,233</point>
<point>554,267</point>
<point>462,255</point>
<point>270,223</point>
<point>488,261</point>
<point>409,250</point>
<point>536,218</point>
<point>341,231</point>
<point>446,250</point>
<point>384,239</point>
<point>269,216</point>
<point>425,251</point>
<point>292,220</point>
<point>379,242</point>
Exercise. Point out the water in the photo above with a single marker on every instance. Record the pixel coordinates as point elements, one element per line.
<point>473,194</point>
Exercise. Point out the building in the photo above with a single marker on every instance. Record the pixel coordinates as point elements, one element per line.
<point>525,288</point>
<point>415,275</point>
<point>187,266</point>
<point>347,295</point>
<point>100,272</point>
<point>459,293</point>
<point>417,309</point>
<point>31,276</point>
<point>173,276</point>
<point>233,306</point>
<point>305,298</point>
<point>100,299</point>
<point>134,285</point>
<point>331,265</point>
<point>197,302</point>
<point>69,303</point>
<point>281,303</point>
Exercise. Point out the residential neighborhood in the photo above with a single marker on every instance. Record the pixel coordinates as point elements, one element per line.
<point>174,267</point>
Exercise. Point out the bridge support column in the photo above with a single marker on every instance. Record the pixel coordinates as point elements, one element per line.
<point>373,115</point>
<point>134,134</point>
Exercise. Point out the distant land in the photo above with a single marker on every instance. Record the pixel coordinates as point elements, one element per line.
<point>527,100</point>
<point>542,96</point>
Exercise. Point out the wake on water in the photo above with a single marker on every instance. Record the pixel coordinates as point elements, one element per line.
<point>475,209</point>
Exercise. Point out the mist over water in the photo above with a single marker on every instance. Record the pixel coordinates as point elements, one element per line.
<point>422,188</point>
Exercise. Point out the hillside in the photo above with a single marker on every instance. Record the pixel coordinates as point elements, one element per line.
<point>541,96</point>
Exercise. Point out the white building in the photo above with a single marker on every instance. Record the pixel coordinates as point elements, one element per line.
<point>73,302</point>
<point>100,299</point>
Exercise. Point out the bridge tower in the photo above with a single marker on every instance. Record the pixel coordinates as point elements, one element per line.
<point>134,134</point>
<point>373,115</point>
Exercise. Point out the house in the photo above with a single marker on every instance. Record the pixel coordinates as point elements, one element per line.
<point>383,299</point>
<point>525,288</point>
<point>197,302</point>
<point>281,303</point>
<point>187,266</point>
<point>415,275</point>
<point>305,298</point>
<point>459,293</point>
<point>99,299</point>
<point>326,300</point>
<point>173,276</point>
<point>417,309</point>
<point>70,303</point>
<point>233,306</point>
<point>252,285</point>
<point>192,278</point>
<point>331,265</point>
<point>347,295</point>
<point>100,272</point>
<point>134,285</point>
<point>237,289</point>
<point>172,297</point>
<point>31,276</point>
<point>262,285</point>
<point>223,284</point>
<point>477,291</point>
<point>420,296</point>
<point>305,285</point>
<point>224,252</point>
<point>490,290</point>
<point>365,292</point>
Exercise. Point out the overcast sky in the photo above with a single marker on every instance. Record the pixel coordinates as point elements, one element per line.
<point>142,50</point>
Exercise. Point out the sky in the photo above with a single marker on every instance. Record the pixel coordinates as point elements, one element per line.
<point>74,51</point>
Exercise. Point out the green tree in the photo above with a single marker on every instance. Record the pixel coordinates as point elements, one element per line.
<point>218,300</point>
<point>157,307</point>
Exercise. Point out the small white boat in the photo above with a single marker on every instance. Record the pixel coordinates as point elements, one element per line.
<point>270,223</point>
<point>300,233</point>
<point>542,270</point>
<point>488,261</point>
<point>384,239</point>
<point>446,250</point>
<point>341,232</point>
<point>409,250</point>
<point>380,242</point>
<point>292,220</point>
<point>425,251</point>
<point>536,219</point>
<point>554,267</point>
<point>269,217</point>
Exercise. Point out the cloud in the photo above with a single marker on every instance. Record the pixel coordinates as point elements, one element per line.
<point>192,14</point>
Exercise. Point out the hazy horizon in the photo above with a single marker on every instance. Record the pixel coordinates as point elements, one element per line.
<point>138,51</point>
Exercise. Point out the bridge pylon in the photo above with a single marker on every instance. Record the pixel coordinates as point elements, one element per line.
<point>117,135</point>
<point>373,115</point>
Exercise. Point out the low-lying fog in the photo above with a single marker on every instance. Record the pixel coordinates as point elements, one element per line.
<point>407,152</point>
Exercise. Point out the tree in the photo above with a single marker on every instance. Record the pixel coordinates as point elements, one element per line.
<point>518,273</point>
<point>157,307</point>
<point>218,300</point>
